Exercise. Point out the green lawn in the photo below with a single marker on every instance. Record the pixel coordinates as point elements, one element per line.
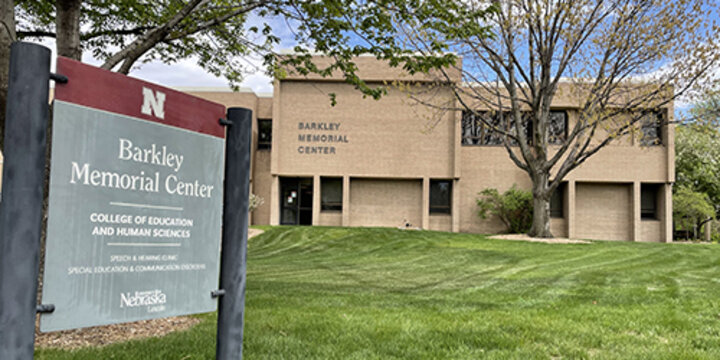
<point>349,293</point>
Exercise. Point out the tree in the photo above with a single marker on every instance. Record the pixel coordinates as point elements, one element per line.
<point>126,33</point>
<point>691,210</point>
<point>697,161</point>
<point>618,60</point>
<point>697,165</point>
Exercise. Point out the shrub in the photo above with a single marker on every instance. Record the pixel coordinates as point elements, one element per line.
<point>513,207</point>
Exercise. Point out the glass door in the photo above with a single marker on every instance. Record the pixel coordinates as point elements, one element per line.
<point>296,201</point>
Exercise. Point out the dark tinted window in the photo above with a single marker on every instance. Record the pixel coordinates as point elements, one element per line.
<point>650,129</point>
<point>331,194</point>
<point>477,128</point>
<point>648,201</point>
<point>264,133</point>
<point>557,202</point>
<point>557,131</point>
<point>440,196</point>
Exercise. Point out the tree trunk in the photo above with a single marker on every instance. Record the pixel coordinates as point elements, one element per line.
<point>7,35</point>
<point>67,22</point>
<point>541,208</point>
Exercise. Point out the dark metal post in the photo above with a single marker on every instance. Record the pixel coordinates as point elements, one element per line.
<point>22,196</point>
<point>234,241</point>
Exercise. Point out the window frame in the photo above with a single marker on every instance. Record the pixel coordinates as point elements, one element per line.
<point>489,139</point>
<point>336,206</point>
<point>656,122</point>
<point>440,209</point>
<point>264,145</point>
<point>654,190</point>
<point>559,191</point>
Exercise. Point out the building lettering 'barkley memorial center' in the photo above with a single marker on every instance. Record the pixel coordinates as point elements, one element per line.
<point>391,162</point>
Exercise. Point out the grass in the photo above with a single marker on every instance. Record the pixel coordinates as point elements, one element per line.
<point>349,293</point>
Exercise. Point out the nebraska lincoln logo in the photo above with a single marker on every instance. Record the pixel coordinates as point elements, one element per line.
<point>153,103</point>
<point>142,298</point>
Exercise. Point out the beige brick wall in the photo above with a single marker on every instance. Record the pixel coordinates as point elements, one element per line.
<point>385,138</point>
<point>330,218</point>
<point>441,222</point>
<point>604,211</point>
<point>383,202</point>
<point>262,183</point>
<point>558,227</point>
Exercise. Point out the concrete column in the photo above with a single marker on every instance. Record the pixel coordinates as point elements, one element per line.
<point>708,230</point>
<point>571,209</point>
<point>636,215</point>
<point>316,200</point>
<point>667,233</point>
<point>426,203</point>
<point>457,150</point>
<point>346,201</point>
<point>275,201</point>
<point>455,207</point>
<point>277,118</point>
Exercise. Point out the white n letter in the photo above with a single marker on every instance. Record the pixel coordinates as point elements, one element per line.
<point>153,103</point>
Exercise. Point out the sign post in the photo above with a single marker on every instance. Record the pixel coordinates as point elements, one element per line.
<point>234,245</point>
<point>21,206</point>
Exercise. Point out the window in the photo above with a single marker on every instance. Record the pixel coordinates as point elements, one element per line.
<point>264,133</point>
<point>440,196</point>
<point>648,201</point>
<point>557,130</point>
<point>331,194</point>
<point>557,202</point>
<point>650,126</point>
<point>475,130</point>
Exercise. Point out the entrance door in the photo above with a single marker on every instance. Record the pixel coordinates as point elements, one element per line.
<point>296,201</point>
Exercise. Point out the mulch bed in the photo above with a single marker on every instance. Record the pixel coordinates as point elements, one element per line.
<point>110,334</point>
<point>523,237</point>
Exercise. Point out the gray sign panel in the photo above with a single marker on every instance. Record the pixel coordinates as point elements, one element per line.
<point>135,219</point>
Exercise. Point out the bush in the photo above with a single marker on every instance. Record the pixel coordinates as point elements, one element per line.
<point>513,207</point>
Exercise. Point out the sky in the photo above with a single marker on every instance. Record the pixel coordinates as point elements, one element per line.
<point>186,73</point>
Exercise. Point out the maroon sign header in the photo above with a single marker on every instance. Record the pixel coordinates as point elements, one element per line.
<point>106,90</point>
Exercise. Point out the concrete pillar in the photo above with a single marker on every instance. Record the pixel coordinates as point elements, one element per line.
<point>708,230</point>
<point>316,200</point>
<point>636,213</point>
<point>275,201</point>
<point>667,218</point>
<point>571,209</point>
<point>346,201</point>
<point>426,203</point>
<point>455,207</point>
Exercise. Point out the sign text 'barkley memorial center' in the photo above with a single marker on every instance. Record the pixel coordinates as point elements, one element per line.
<point>135,212</point>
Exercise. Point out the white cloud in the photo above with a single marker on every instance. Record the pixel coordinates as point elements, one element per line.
<point>185,73</point>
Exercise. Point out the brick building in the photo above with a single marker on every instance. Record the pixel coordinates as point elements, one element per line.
<point>394,162</point>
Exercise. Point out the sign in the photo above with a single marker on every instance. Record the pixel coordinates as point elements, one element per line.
<point>135,201</point>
